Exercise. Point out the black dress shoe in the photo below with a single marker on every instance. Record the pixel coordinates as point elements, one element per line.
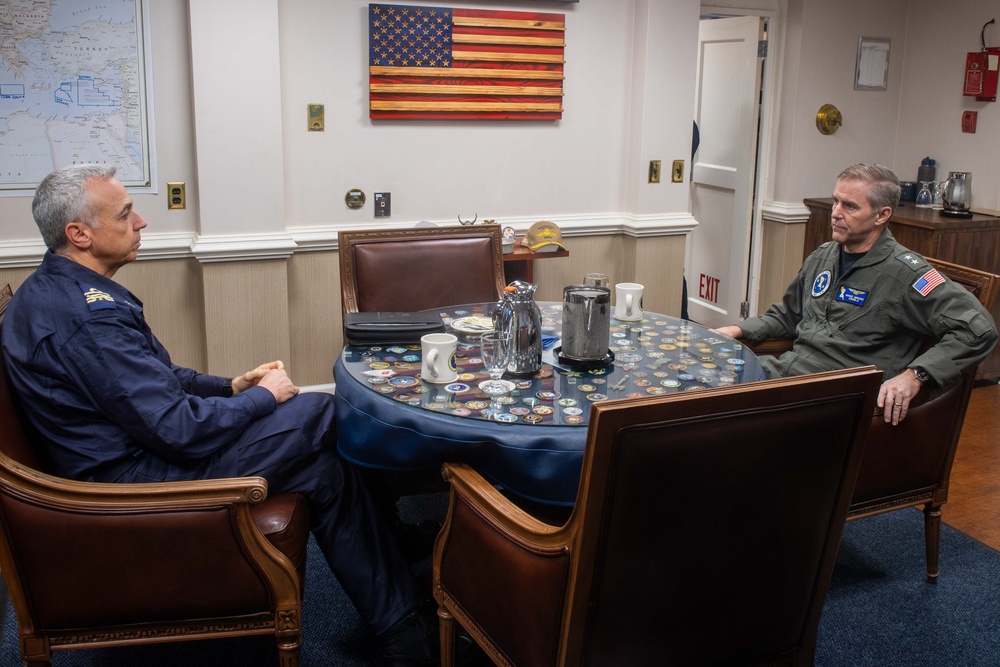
<point>413,640</point>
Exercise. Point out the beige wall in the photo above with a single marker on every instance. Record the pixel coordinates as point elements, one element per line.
<point>629,96</point>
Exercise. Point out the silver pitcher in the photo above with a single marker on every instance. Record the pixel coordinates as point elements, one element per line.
<point>586,322</point>
<point>518,314</point>
<point>957,196</point>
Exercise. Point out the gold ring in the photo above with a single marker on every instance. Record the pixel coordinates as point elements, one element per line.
<point>898,405</point>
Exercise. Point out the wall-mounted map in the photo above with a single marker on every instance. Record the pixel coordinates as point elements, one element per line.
<point>73,90</point>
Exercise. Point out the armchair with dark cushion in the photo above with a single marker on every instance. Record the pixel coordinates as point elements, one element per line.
<point>705,531</point>
<point>909,465</point>
<point>90,564</point>
<point>402,270</point>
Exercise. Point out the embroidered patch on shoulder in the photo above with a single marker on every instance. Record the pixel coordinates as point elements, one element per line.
<point>926,283</point>
<point>821,284</point>
<point>96,299</point>
<point>852,296</point>
<point>912,260</point>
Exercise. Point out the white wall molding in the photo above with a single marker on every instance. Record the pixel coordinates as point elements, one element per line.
<point>240,247</point>
<point>785,212</point>
<point>324,237</point>
<point>243,247</point>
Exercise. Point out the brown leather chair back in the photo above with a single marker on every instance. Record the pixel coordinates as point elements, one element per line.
<point>401,270</point>
<point>705,531</point>
<point>14,442</point>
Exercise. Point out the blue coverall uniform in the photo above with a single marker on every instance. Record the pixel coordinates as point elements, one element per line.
<point>109,405</point>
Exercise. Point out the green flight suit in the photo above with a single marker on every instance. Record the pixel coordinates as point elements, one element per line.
<point>880,312</point>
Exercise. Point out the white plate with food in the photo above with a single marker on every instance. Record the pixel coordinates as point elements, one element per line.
<point>476,324</point>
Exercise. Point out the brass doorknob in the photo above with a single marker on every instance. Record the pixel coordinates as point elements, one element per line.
<point>828,119</point>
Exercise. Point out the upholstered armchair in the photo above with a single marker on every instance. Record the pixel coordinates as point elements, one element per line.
<point>401,270</point>
<point>90,565</point>
<point>705,531</point>
<point>909,465</point>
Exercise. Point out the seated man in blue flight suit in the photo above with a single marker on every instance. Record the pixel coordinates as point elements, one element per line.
<point>110,406</point>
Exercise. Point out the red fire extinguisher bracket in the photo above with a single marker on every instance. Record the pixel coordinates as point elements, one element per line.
<point>982,70</point>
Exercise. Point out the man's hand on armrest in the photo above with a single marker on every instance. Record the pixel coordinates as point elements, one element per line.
<point>732,330</point>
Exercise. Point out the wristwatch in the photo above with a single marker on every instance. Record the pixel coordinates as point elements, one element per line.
<point>227,389</point>
<point>920,374</point>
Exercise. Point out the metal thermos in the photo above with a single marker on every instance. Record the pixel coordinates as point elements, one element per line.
<point>518,314</point>
<point>586,322</point>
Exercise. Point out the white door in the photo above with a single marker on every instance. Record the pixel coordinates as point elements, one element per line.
<point>724,171</point>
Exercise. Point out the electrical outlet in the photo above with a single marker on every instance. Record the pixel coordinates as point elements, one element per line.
<point>654,171</point>
<point>176,196</point>
<point>383,204</point>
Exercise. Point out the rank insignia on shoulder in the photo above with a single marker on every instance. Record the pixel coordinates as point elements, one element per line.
<point>926,283</point>
<point>851,295</point>
<point>912,260</point>
<point>96,299</point>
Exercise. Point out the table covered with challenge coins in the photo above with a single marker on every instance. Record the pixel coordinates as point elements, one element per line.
<point>530,441</point>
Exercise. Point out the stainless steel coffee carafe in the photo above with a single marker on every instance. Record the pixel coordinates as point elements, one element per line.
<point>586,322</point>
<point>518,314</point>
<point>957,196</point>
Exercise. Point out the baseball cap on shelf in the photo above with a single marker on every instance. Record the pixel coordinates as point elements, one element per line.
<point>543,235</point>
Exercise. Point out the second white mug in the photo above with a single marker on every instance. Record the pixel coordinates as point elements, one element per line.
<point>438,363</point>
<point>628,301</point>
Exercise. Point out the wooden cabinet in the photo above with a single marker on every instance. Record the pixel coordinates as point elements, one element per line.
<point>972,242</point>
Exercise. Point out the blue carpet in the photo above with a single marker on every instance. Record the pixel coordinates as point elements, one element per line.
<point>879,612</point>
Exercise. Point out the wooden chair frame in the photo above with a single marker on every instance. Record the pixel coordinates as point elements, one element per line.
<point>538,582</point>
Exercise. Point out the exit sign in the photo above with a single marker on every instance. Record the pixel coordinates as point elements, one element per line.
<point>708,288</point>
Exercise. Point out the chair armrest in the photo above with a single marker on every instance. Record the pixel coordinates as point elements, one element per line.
<point>771,347</point>
<point>496,509</point>
<point>163,495</point>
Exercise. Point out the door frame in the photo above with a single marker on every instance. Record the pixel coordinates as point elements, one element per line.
<point>774,12</point>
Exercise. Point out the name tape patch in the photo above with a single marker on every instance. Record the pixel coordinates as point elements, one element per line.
<point>852,296</point>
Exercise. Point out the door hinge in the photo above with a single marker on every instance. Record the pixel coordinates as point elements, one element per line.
<point>744,310</point>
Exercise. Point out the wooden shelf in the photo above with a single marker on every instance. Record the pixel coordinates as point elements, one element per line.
<point>518,265</point>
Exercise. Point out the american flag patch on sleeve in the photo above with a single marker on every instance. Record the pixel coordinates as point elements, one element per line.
<point>927,282</point>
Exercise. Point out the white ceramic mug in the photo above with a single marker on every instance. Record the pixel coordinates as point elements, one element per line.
<point>628,301</point>
<point>438,363</point>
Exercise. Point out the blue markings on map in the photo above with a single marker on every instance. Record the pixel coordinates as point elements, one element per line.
<point>11,91</point>
<point>64,93</point>
<point>89,95</point>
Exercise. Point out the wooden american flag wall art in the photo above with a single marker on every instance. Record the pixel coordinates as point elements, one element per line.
<point>467,64</point>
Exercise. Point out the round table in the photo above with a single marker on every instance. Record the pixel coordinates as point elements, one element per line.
<point>531,441</point>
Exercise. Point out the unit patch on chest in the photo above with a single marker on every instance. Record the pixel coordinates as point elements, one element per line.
<point>821,284</point>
